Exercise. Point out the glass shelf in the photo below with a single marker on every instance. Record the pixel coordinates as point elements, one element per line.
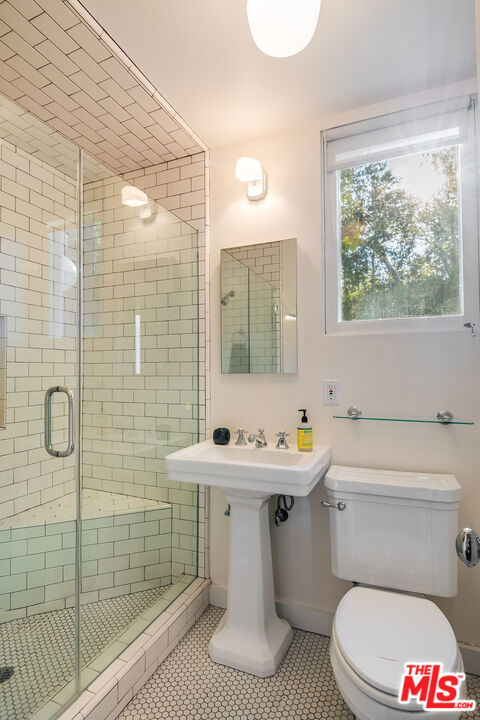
<point>430,421</point>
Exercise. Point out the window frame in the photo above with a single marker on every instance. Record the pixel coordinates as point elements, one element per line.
<point>469,253</point>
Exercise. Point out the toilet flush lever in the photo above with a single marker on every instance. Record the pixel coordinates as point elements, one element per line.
<point>337,506</point>
<point>468,547</point>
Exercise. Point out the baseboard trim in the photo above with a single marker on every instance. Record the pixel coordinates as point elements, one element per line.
<point>471,658</point>
<point>218,596</point>
<point>316,620</point>
<point>302,617</point>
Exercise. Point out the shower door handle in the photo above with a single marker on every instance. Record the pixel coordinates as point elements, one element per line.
<point>48,421</point>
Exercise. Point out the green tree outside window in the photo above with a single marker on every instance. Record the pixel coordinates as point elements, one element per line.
<point>400,251</point>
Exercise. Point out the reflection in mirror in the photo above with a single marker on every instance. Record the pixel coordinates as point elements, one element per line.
<point>258,303</point>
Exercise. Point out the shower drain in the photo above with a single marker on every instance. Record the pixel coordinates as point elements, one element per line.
<point>6,673</point>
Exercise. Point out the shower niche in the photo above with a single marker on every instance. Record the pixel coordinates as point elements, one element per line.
<point>258,301</point>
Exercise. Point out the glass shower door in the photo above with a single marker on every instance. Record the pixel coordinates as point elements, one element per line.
<point>38,388</point>
<point>140,402</point>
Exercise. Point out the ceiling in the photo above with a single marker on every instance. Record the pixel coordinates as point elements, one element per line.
<point>25,131</point>
<point>62,73</point>
<point>201,57</point>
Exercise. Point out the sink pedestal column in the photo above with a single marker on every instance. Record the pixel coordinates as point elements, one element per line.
<point>251,636</point>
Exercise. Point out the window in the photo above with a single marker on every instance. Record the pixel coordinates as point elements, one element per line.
<point>400,225</point>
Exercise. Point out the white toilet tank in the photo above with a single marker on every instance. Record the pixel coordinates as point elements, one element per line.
<point>397,531</point>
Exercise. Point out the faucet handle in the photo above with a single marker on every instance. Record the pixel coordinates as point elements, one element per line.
<point>282,440</point>
<point>241,440</point>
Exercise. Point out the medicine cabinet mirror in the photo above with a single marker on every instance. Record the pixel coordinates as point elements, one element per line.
<point>258,302</point>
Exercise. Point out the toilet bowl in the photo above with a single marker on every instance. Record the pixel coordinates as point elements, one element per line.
<point>395,539</point>
<point>375,632</point>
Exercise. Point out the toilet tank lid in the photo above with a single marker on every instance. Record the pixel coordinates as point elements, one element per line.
<point>392,483</point>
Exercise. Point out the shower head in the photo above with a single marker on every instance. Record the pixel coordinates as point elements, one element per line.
<point>227,297</point>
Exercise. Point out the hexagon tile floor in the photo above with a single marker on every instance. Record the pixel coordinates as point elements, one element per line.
<point>189,685</point>
<point>41,648</point>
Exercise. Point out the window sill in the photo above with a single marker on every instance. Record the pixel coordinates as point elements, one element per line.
<point>410,326</point>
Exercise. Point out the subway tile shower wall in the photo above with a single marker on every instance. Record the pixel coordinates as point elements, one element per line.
<point>38,213</point>
<point>141,277</point>
<point>122,554</point>
<point>38,223</point>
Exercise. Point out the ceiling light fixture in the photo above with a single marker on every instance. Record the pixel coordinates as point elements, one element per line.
<point>282,28</point>
<point>250,171</point>
<point>133,197</point>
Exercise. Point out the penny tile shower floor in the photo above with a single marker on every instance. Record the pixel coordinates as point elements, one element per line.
<point>189,685</point>
<point>41,650</point>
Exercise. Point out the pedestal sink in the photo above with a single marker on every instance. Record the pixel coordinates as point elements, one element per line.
<point>251,636</point>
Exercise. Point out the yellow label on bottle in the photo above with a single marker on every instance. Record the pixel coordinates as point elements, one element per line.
<point>305,439</point>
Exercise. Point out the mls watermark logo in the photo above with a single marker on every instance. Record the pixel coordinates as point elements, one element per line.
<point>434,689</point>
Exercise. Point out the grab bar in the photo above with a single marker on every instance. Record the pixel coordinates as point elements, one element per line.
<point>48,421</point>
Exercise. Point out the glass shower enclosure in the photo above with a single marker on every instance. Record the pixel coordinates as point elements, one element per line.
<point>99,381</point>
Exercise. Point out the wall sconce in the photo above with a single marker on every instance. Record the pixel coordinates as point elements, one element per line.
<point>133,197</point>
<point>250,171</point>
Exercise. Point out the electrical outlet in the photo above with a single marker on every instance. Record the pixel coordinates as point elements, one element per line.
<point>331,392</point>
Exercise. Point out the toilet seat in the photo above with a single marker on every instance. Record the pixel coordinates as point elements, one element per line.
<point>367,703</point>
<point>375,632</point>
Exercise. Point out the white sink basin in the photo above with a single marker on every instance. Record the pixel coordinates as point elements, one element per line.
<point>264,471</point>
<point>251,637</point>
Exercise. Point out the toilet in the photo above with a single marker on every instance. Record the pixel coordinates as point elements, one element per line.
<point>395,540</point>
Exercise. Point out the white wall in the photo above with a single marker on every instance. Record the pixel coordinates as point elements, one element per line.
<point>404,375</point>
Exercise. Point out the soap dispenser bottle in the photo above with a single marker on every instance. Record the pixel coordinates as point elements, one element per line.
<point>304,433</point>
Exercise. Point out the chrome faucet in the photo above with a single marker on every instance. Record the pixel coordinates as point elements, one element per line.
<point>241,439</point>
<point>259,439</point>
